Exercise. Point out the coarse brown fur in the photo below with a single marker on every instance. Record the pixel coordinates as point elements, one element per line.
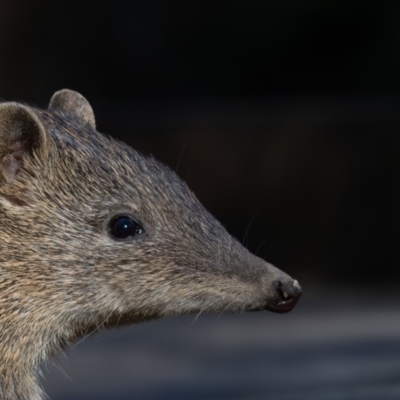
<point>62,275</point>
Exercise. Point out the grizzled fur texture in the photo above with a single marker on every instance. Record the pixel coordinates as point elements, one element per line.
<point>61,273</point>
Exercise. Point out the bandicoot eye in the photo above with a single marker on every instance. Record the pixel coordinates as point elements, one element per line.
<point>124,227</point>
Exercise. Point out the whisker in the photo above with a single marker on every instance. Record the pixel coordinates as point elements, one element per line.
<point>196,318</point>
<point>180,158</point>
<point>246,233</point>
<point>92,332</point>
<point>261,245</point>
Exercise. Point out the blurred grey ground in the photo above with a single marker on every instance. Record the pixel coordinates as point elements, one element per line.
<point>334,345</point>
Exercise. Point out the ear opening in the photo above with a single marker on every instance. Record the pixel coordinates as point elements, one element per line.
<point>67,101</point>
<point>22,135</point>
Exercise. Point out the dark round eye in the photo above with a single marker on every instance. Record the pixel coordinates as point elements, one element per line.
<point>124,227</point>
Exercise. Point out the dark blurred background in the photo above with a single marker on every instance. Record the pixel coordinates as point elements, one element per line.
<point>281,115</point>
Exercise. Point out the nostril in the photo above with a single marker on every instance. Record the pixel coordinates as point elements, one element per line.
<point>278,288</point>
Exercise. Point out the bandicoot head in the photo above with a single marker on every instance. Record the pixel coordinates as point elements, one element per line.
<point>95,234</point>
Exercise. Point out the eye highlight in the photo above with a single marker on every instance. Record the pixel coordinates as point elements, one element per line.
<point>124,227</point>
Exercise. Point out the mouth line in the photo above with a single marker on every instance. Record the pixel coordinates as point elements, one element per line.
<point>281,307</point>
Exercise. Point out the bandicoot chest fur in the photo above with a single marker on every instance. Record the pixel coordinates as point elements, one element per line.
<point>94,234</point>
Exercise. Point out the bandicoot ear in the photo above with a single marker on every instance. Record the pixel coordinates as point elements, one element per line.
<point>22,135</point>
<point>67,101</point>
